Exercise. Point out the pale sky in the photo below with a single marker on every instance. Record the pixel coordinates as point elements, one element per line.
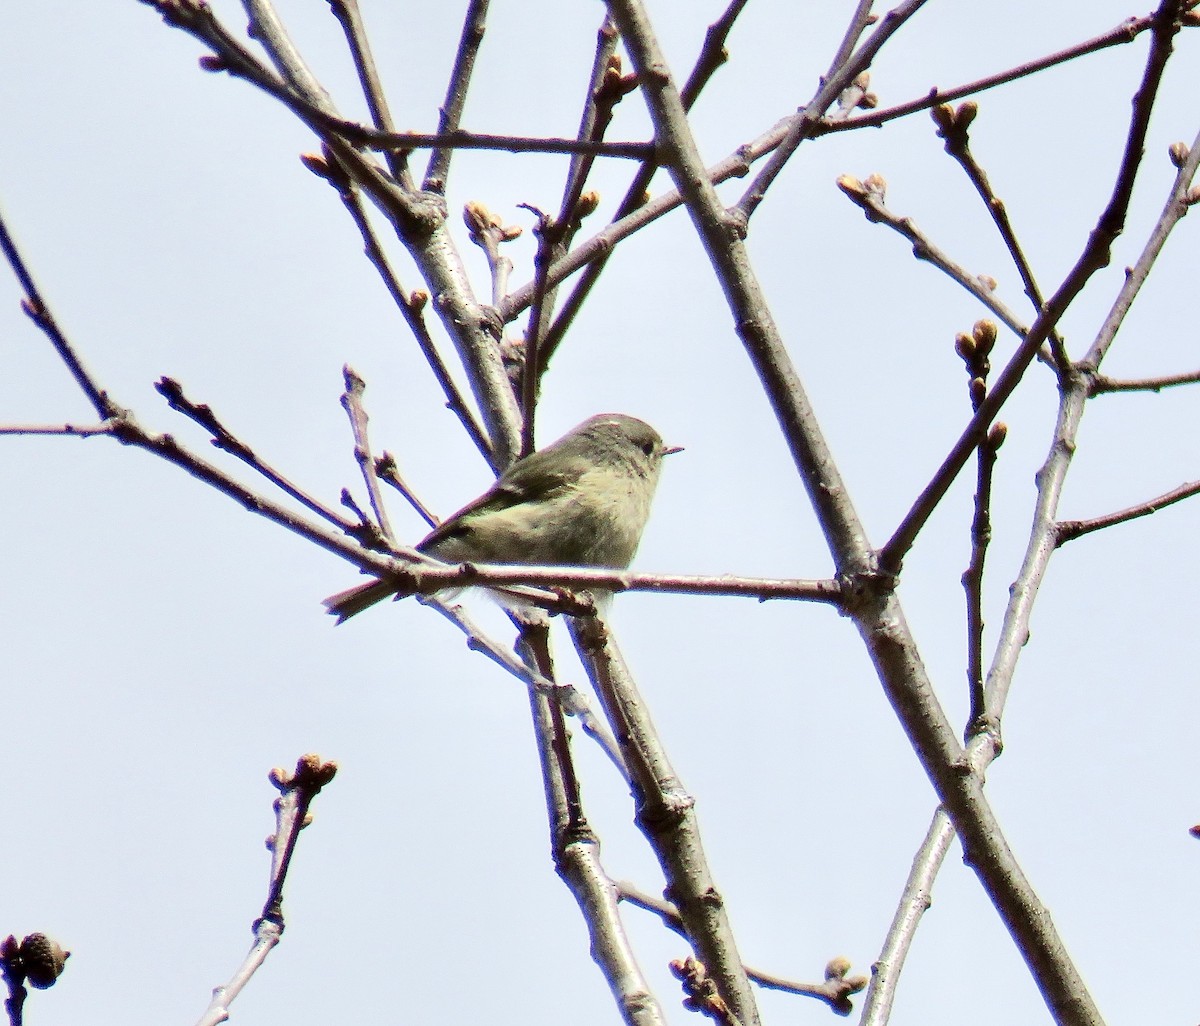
<point>163,648</point>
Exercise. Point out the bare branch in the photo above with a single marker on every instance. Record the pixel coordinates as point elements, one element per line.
<point>227,441</point>
<point>411,305</point>
<point>665,814</point>
<point>1069,530</point>
<point>953,126</point>
<point>1095,255</point>
<point>428,578</point>
<point>576,847</point>
<point>36,310</point>
<point>1102,384</point>
<point>1126,32</point>
<point>459,139</point>
<point>870,195</point>
<point>352,403</point>
<point>914,902</point>
<point>800,126</point>
<point>834,991</point>
<point>712,56</point>
<point>297,791</point>
<point>474,26</point>
<point>77,430</point>
<point>1182,198</point>
<point>349,16</point>
<point>389,472</point>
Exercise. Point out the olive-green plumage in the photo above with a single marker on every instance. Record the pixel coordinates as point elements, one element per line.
<point>581,501</point>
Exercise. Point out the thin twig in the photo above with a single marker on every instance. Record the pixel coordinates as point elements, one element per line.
<point>833,992</point>
<point>801,125</point>
<point>1096,253</point>
<point>76,430</point>
<point>546,235</point>
<point>914,902</point>
<point>411,305</point>
<point>573,701</point>
<point>870,196</point>
<point>1126,32</point>
<point>352,403</point>
<point>953,127</point>
<point>1069,530</point>
<point>981,536</point>
<point>463,140</point>
<point>666,815</point>
<point>975,351</point>
<point>297,791</point>
<point>388,471</point>
<point>1182,197</point>
<point>575,845</point>
<point>1102,384</point>
<point>474,26</point>
<point>711,57</point>
<point>349,16</point>
<point>225,440</point>
<point>859,21</point>
<point>605,90</point>
<point>428,578</point>
<point>37,311</point>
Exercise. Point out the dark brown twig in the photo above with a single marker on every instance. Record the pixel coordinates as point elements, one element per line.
<point>870,195</point>
<point>975,351</point>
<point>547,234</point>
<point>225,440</point>
<point>37,311</point>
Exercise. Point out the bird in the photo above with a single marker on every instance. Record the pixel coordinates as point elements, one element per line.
<point>581,501</point>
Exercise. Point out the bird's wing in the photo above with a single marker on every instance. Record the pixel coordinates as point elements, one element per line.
<point>535,478</point>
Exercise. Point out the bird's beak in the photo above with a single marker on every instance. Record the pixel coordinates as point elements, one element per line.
<point>672,450</point>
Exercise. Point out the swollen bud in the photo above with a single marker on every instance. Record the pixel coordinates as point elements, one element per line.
<point>1179,153</point>
<point>478,218</point>
<point>851,186</point>
<point>837,967</point>
<point>587,204</point>
<point>943,116</point>
<point>42,959</point>
<point>985,333</point>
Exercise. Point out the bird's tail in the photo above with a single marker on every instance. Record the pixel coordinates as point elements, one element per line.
<point>352,601</point>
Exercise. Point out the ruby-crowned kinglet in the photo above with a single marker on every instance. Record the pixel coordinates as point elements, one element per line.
<point>582,501</point>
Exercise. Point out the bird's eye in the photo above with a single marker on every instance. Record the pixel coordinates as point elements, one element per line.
<point>648,448</point>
